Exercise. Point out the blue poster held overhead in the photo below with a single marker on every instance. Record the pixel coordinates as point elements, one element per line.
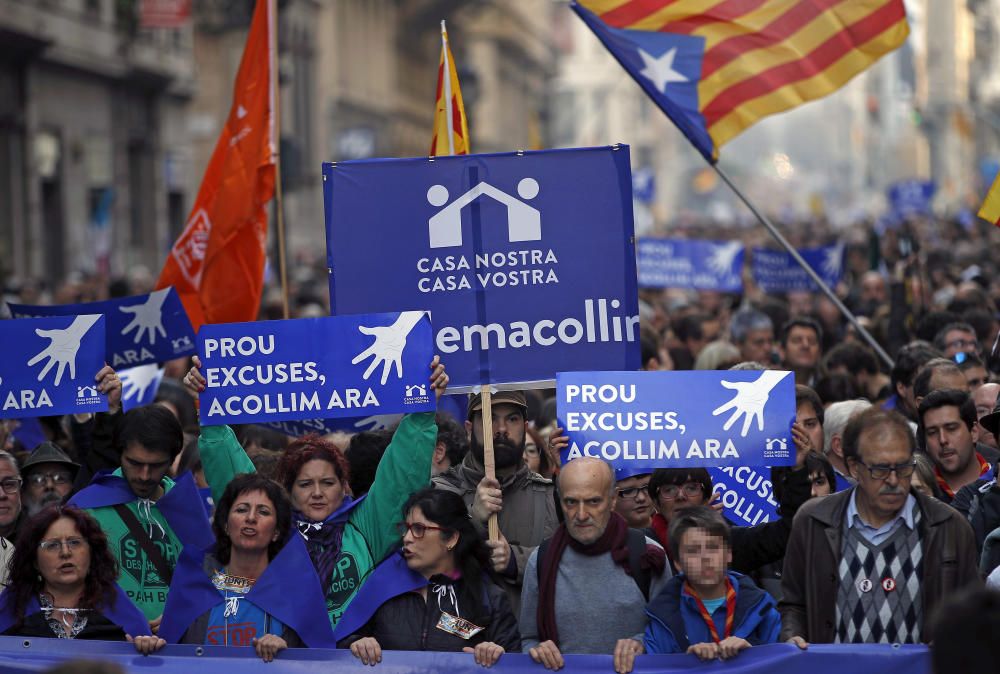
<point>911,197</point>
<point>640,421</point>
<point>49,365</point>
<point>309,368</point>
<point>690,264</point>
<point>526,260</point>
<point>775,271</point>
<point>141,329</point>
<point>139,385</point>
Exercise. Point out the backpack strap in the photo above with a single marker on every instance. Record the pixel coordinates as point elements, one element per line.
<point>542,548</point>
<point>636,549</point>
<point>141,537</point>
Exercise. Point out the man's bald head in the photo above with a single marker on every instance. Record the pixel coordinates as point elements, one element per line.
<point>587,494</point>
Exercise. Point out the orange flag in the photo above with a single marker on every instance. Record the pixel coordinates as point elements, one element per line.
<point>451,130</point>
<point>217,263</point>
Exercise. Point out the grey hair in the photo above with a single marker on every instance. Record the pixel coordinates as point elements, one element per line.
<point>750,365</point>
<point>9,458</point>
<point>747,320</point>
<point>835,419</point>
<point>715,354</point>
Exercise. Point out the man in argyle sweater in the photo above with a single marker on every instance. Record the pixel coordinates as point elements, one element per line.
<point>870,564</point>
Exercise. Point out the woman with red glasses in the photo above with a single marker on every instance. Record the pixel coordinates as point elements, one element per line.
<point>439,580</point>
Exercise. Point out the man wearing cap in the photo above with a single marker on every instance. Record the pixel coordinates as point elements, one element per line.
<point>523,501</point>
<point>48,477</point>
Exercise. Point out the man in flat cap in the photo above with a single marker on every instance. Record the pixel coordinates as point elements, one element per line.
<point>523,501</point>
<point>48,475</point>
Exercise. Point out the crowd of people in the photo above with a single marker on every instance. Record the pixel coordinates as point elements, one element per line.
<point>888,524</point>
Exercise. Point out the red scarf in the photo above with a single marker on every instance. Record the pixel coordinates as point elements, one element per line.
<point>613,540</point>
<point>984,467</point>
<point>661,527</point>
<point>707,617</point>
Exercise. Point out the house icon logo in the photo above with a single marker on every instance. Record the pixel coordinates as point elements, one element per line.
<point>86,392</point>
<point>524,222</point>
<point>416,390</point>
<point>181,343</point>
<point>776,445</point>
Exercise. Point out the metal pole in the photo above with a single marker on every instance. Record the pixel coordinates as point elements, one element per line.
<point>809,270</point>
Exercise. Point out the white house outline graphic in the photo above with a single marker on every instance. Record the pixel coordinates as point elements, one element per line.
<point>524,222</point>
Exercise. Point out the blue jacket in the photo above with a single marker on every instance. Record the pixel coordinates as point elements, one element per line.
<point>676,623</point>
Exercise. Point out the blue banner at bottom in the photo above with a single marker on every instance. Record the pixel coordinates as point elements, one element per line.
<point>32,655</point>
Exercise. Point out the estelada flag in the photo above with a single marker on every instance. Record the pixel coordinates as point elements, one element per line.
<point>217,263</point>
<point>990,209</point>
<point>451,130</point>
<point>715,67</point>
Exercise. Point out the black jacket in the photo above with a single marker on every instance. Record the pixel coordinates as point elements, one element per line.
<point>408,623</point>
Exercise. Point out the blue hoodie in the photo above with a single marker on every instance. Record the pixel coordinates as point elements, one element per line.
<point>676,623</point>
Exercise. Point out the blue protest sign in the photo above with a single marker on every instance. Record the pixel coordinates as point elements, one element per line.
<point>141,329</point>
<point>312,368</point>
<point>697,265</point>
<point>296,428</point>
<point>746,493</point>
<point>911,197</point>
<point>640,421</point>
<point>775,271</point>
<point>139,385</point>
<point>49,366</point>
<point>644,185</point>
<point>525,260</point>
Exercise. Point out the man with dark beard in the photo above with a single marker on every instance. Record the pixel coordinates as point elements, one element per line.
<point>523,500</point>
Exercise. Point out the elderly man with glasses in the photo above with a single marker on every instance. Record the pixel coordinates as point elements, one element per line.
<point>10,509</point>
<point>872,563</point>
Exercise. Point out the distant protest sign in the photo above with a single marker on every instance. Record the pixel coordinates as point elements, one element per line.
<point>345,366</point>
<point>775,271</point>
<point>141,329</point>
<point>690,264</point>
<point>526,260</point>
<point>49,365</point>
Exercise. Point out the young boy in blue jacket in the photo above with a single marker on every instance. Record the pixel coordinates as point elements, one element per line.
<point>706,609</point>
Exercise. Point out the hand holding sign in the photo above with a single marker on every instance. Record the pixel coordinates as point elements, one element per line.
<point>110,385</point>
<point>63,347</point>
<point>147,316</point>
<point>749,400</point>
<point>389,344</point>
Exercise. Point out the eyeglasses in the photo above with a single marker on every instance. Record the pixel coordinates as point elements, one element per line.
<point>962,344</point>
<point>632,492</point>
<point>671,491</point>
<point>39,479</point>
<point>418,529</point>
<point>11,485</point>
<point>55,545</point>
<point>881,471</point>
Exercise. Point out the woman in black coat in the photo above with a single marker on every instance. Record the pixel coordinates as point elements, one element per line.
<point>434,595</point>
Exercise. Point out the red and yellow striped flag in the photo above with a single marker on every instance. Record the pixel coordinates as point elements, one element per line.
<point>990,210</point>
<point>451,130</point>
<point>715,67</point>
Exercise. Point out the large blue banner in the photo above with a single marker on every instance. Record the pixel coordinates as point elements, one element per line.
<point>316,368</point>
<point>49,364</point>
<point>640,421</point>
<point>32,655</point>
<point>141,329</point>
<point>775,271</point>
<point>525,260</point>
<point>693,264</point>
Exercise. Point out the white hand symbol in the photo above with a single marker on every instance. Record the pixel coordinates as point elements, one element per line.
<point>147,316</point>
<point>63,348</point>
<point>389,344</point>
<point>721,261</point>
<point>136,380</point>
<point>833,260</point>
<point>377,422</point>
<point>750,398</point>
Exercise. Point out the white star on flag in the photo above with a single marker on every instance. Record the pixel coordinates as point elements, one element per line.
<point>241,112</point>
<point>660,71</point>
